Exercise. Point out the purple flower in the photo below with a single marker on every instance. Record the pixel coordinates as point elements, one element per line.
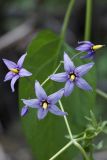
<point>72,76</point>
<point>90,48</point>
<point>45,103</point>
<point>15,71</point>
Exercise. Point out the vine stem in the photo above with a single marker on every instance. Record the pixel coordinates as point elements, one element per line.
<point>81,150</point>
<point>91,154</point>
<point>66,121</point>
<point>101,93</point>
<point>88,19</point>
<point>66,19</point>
<point>65,24</point>
<point>68,145</point>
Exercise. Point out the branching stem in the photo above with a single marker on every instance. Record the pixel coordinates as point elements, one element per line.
<point>81,150</point>
<point>61,150</point>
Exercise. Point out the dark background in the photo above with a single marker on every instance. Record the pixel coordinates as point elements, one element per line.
<point>20,20</point>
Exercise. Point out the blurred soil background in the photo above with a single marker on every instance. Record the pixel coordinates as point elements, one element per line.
<point>20,20</point>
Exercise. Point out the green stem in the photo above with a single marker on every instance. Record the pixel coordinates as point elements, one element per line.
<point>81,138</point>
<point>66,18</point>
<point>88,19</point>
<point>76,55</point>
<point>57,67</point>
<point>61,150</point>
<point>66,121</point>
<point>46,80</point>
<point>101,93</point>
<point>91,155</point>
<point>52,73</point>
<point>65,24</point>
<point>81,150</point>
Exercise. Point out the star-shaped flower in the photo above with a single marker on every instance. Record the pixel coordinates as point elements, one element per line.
<point>15,71</point>
<point>72,76</point>
<point>90,48</point>
<point>44,103</point>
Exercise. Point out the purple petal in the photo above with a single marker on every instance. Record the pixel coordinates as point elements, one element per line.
<point>60,77</point>
<point>83,69</point>
<point>21,60</point>
<point>40,93</point>
<point>9,76</point>
<point>42,113</point>
<point>89,55</point>
<point>9,64</point>
<point>81,83</point>
<point>68,64</point>
<point>84,47</point>
<point>55,110</point>
<point>85,42</point>
<point>33,103</point>
<point>24,111</point>
<point>14,79</point>
<point>53,98</point>
<point>24,73</point>
<point>69,86</point>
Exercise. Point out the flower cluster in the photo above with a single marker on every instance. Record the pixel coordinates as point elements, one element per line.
<point>71,76</point>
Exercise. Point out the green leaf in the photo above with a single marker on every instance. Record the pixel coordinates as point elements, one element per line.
<point>92,120</point>
<point>98,146</point>
<point>104,127</point>
<point>47,136</point>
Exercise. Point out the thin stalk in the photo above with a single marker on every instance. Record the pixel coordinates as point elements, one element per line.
<point>76,55</point>
<point>81,150</point>
<point>88,19</point>
<point>46,80</point>
<point>61,150</point>
<point>66,121</point>
<point>57,67</point>
<point>66,19</point>
<point>101,93</point>
<point>81,138</point>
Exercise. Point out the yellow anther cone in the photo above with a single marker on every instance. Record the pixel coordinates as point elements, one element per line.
<point>95,47</point>
<point>14,70</point>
